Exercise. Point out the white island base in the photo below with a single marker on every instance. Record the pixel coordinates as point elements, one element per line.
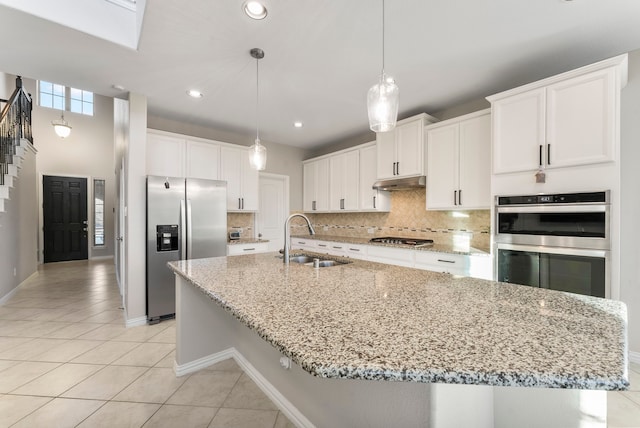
<point>207,334</point>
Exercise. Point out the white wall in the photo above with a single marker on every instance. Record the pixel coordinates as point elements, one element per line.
<point>87,152</point>
<point>630,202</point>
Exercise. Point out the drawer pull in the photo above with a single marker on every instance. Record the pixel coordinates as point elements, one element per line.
<point>248,249</point>
<point>446,261</point>
<point>337,248</point>
<point>354,249</point>
<point>322,245</point>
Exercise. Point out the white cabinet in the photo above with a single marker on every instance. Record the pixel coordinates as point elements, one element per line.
<point>316,185</point>
<point>458,163</point>
<point>303,244</point>
<point>252,248</point>
<point>567,120</point>
<point>455,264</point>
<point>165,155</point>
<point>370,198</point>
<point>389,255</point>
<point>242,180</point>
<point>203,160</point>
<point>344,173</point>
<point>401,151</point>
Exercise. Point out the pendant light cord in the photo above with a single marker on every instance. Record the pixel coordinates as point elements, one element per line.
<point>383,37</point>
<point>257,99</point>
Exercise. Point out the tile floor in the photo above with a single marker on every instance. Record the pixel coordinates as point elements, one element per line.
<point>67,360</point>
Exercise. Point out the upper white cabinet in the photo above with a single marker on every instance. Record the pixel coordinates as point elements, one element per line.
<point>315,185</point>
<point>203,160</point>
<point>165,155</point>
<point>458,163</point>
<point>344,174</point>
<point>242,180</point>
<point>566,120</point>
<point>401,151</point>
<point>370,198</point>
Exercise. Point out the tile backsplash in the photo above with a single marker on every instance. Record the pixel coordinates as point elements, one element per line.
<point>241,220</point>
<point>408,218</point>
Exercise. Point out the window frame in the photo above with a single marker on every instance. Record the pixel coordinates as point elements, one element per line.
<point>87,108</point>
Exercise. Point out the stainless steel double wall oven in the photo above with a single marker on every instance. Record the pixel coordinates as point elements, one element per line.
<point>555,241</point>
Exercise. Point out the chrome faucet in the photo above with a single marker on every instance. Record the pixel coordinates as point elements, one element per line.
<point>287,234</point>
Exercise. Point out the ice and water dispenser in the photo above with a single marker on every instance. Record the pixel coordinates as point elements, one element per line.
<point>167,237</point>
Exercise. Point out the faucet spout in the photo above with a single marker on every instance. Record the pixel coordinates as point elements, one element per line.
<point>287,234</point>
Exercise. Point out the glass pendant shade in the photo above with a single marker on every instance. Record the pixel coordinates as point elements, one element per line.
<point>382,104</point>
<point>61,127</point>
<point>258,156</point>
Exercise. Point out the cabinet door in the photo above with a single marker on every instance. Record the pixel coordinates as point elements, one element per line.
<point>250,186</point>
<point>165,155</point>
<point>367,177</point>
<point>442,167</point>
<point>309,172</point>
<point>410,149</point>
<point>336,182</point>
<point>518,132</point>
<point>322,185</point>
<point>351,182</point>
<point>581,120</point>
<point>386,154</point>
<point>474,169</point>
<point>203,160</point>
<point>230,171</point>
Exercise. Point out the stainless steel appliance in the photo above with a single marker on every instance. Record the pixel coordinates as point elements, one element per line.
<point>186,219</point>
<point>412,242</point>
<point>555,241</point>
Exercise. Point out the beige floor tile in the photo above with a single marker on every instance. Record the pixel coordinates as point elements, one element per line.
<point>228,365</point>
<point>145,355</point>
<point>104,332</point>
<point>167,361</point>
<point>633,396</point>
<point>11,342</point>
<point>205,388</point>
<point>67,351</point>
<point>72,331</point>
<point>60,412</point>
<point>635,367</point>
<point>154,386</point>
<point>121,415</point>
<point>108,316</point>
<point>30,349</point>
<point>634,380</point>
<point>105,353</point>
<point>5,364</point>
<point>42,328</point>
<point>168,335</point>
<point>105,384</point>
<point>246,395</point>
<point>78,316</point>
<point>9,313</point>
<point>15,407</point>
<point>141,333</point>
<point>244,418</point>
<point>23,373</point>
<point>621,411</point>
<point>58,380</point>
<point>283,422</point>
<point>169,416</point>
<point>12,328</point>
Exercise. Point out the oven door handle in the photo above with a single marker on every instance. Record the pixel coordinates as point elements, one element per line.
<point>578,208</point>
<point>555,250</point>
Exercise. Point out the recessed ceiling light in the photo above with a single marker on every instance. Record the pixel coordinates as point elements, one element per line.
<point>117,87</point>
<point>297,124</point>
<point>255,9</point>
<point>195,94</point>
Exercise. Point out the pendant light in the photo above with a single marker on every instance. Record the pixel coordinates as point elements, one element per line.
<point>257,152</point>
<point>382,98</point>
<point>61,127</point>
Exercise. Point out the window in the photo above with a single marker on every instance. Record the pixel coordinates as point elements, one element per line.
<point>60,97</point>
<point>98,212</point>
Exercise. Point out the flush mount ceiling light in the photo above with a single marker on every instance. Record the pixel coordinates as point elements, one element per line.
<point>61,127</point>
<point>257,152</point>
<point>297,124</point>
<point>382,98</point>
<point>195,94</point>
<point>254,10</point>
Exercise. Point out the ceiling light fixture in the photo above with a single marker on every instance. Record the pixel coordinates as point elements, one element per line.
<point>61,127</point>
<point>257,152</point>
<point>382,98</point>
<point>255,10</point>
<point>297,124</point>
<point>195,94</point>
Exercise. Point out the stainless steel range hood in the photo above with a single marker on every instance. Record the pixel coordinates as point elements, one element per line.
<point>401,183</point>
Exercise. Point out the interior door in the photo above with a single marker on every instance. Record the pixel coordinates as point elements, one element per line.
<point>274,208</point>
<point>65,218</point>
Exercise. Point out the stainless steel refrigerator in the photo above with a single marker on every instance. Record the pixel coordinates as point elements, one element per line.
<point>186,219</point>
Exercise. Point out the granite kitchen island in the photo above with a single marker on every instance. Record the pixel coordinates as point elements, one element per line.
<point>379,345</point>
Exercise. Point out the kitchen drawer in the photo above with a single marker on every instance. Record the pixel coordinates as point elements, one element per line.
<point>303,244</point>
<point>356,251</point>
<point>240,249</point>
<point>456,264</point>
<point>393,256</point>
<point>325,247</point>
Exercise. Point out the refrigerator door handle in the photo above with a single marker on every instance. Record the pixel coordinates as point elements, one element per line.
<point>183,229</point>
<point>189,234</point>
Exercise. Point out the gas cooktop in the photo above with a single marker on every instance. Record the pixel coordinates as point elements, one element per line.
<point>413,242</point>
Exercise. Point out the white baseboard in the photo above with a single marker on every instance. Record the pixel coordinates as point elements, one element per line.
<point>203,362</point>
<point>10,294</point>
<point>136,322</point>
<point>285,406</point>
<point>634,357</point>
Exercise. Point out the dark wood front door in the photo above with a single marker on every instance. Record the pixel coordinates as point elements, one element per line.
<point>65,218</point>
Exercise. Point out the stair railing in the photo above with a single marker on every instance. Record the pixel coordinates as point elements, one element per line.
<point>15,124</point>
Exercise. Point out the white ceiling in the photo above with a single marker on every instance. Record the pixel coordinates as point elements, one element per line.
<point>321,57</point>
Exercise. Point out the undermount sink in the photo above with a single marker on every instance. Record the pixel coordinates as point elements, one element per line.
<point>303,259</point>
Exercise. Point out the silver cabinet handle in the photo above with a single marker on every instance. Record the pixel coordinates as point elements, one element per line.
<point>548,154</point>
<point>540,155</point>
<point>313,205</point>
<point>239,204</point>
<point>248,249</point>
<point>183,230</point>
<point>459,196</point>
<point>374,202</point>
<point>322,245</point>
<point>354,249</point>
<point>397,168</point>
<point>455,197</point>
<point>189,231</point>
<point>446,261</point>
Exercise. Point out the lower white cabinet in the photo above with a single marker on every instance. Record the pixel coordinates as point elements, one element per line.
<point>252,248</point>
<point>303,244</point>
<point>393,256</point>
<point>455,264</point>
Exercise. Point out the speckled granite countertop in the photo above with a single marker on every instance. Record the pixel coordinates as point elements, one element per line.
<point>374,321</point>
<point>246,241</point>
<point>439,248</point>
